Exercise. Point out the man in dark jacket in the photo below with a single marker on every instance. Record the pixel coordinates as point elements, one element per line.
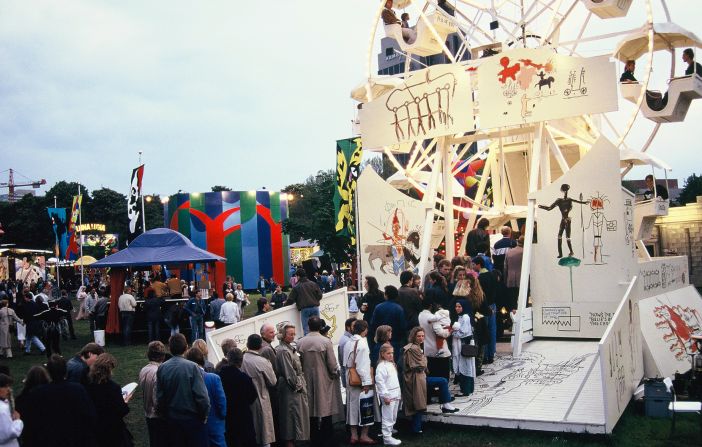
<point>476,236</point>
<point>65,304</point>
<point>79,365</point>
<point>408,298</point>
<point>58,414</point>
<point>488,283</point>
<point>391,314</point>
<point>35,327</point>
<point>241,393</point>
<point>306,296</point>
<point>182,397</point>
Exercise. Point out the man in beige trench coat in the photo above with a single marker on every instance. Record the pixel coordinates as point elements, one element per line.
<point>261,372</point>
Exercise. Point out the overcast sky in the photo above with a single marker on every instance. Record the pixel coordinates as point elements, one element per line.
<point>239,93</point>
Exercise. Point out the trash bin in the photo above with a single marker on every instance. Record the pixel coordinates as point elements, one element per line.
<point>99,337</point>
<point>656,398</point>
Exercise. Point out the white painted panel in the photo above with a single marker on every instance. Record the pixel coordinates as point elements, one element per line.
<point>432,102</point>
<point>667,321</point>
<point>621,358</point>
<point>661,275</point>
<point>553,385</point>
<point>531,85</point>
<point>333,309</point>
<point>579,301</point>
<point>384,253</point>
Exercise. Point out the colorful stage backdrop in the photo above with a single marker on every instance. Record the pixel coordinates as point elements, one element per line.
<point>243,226</point>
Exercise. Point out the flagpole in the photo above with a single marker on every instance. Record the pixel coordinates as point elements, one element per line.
<point>80,231</point>
<point>143,216</point>
<point>58,261</point>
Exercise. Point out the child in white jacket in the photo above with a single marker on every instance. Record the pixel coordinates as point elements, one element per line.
<point>440,322</point>
<point>387,385</point>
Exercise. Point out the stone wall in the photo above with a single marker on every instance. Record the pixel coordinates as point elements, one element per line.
<point>680,233</point>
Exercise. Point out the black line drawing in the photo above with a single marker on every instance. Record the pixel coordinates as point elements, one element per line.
<point>574,90</point>
<point>508,373</point>
<point>417,107</point>
<point>565,205</point>
<point>599,222</point>
<point>561,317</point>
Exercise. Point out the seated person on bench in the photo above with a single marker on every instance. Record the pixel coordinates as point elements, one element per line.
<point>628,75</point>
<point>692,66</point>
<point>389,18</point>
<point>661,191</point>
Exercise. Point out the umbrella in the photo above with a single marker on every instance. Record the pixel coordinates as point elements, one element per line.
<point>665,36</point>
<point>85,260</point>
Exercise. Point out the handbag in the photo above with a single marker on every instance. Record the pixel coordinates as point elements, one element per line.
<point>462,288</point>
<point>354,379</point>
<point>469,350</point>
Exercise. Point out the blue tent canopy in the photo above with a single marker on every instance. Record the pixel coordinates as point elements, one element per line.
<point>156,247</point>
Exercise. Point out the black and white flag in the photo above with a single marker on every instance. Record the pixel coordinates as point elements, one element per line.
<point>134,211</point>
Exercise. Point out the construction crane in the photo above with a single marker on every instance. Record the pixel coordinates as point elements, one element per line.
<point>11,185</point>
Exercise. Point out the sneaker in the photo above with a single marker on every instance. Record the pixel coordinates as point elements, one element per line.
<point>391,441</point>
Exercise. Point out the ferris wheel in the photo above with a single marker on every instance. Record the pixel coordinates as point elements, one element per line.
<point>477,166</point>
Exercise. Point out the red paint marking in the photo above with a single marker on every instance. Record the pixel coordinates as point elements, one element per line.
<point>507,72</point>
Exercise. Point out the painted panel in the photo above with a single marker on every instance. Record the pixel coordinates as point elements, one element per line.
<point>390,228</point>
<point>528,86</point>
<point>333,309</point>
<point>662,275</point>
<point>584,255</point>
<point>432,102</point>
<point>667,322</point>
<point>244,227</point>
<point>621,360</point>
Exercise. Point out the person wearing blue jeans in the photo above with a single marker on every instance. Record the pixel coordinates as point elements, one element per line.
<point>196,309</point>
<point>305,315</point>
<point>306,296</point>
<point>491,347</point>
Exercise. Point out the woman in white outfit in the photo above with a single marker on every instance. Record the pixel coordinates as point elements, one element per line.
<point>357,353</point>
<point>463,367</point>
<point>229,313</point>
<point>81,295</point>
<point>387,385</point>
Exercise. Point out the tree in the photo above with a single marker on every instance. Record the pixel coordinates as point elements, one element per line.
<point>220,188</point>
<point>311,215</point>
<point>692,189</point>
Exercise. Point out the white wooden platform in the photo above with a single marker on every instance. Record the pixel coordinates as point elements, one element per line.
<point>554,385</point>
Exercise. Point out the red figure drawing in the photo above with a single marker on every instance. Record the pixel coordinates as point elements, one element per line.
<point>679,323</point>
<point>507,72</point>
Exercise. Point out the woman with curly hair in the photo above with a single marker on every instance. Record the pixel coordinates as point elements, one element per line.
<point>110,405</point>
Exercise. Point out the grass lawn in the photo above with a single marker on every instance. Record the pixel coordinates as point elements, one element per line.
<point>633,428</point>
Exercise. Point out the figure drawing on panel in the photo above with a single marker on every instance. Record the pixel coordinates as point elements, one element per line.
<point>679,323</point>
<point>565,205</point>
<point>421,107</point>
<point>398,248</point>
<point>598,222</point>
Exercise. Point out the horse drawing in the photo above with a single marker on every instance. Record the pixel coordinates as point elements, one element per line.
<point>544,81</point>
<point>383,252</point>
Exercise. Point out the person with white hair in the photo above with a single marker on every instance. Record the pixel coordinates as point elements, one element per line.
<point>229,313</point>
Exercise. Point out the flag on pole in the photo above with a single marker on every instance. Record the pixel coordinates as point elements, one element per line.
<point>73,250</point>
<point>134,205</point>
<point>58,222</point>
<point>349,153</point>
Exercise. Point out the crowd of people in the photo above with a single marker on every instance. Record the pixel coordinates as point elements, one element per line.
<point>409,344</point>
